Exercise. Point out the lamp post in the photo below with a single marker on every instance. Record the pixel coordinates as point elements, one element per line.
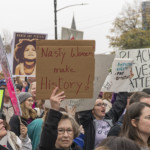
<point>55,14</point>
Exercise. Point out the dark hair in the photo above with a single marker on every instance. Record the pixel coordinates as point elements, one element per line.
<point>134,111</point>
<point>18,86</point>
<point>137,96</point>
<point>118,143</point>
<point>147,90</point>
<point>20,47</point>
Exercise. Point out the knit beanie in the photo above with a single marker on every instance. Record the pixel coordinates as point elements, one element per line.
<point>23,96</point>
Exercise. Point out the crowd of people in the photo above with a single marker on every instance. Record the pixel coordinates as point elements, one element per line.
<point>117,121</point>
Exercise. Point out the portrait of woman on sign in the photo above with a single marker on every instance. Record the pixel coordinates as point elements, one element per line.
<point>25,56</point>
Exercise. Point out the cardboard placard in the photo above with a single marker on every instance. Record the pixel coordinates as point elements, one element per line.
<point>140,68</point>
<point>67,64</point>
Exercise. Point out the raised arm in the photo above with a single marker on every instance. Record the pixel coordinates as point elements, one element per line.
<point>49,133</point>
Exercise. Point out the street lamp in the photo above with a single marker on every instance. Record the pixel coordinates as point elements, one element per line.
<point>55,14</point>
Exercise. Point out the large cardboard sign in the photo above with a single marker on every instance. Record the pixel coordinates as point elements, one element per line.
<point>102,68</point>
<point>24,53</point>
<point>9,80</point>
<point>67,64</point>
<point>118,78</point>
<point>140,68</point>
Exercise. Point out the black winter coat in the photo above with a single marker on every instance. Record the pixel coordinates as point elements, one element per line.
<point>49,132</point>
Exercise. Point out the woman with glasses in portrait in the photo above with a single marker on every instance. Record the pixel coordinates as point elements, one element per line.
<point>136,124</point>
<point>59,128</point>
<point>97,122</point>
<point>28,113</point>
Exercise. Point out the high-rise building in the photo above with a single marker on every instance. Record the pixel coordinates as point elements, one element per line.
<point>146,15</point>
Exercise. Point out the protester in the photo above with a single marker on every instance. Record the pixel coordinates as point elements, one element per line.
<point>118,143</point>
<point>59,129</point>
<point>28,114</point>
<point>13,142</point>
<point>3,132</point>
<point>136,124</point>
<point>35,128</point>
<point>97,124</point>
<point>80,139</point>
<point>40,108</point>
<point>32,90</point>
<point>18,88</point>
<point>136,97</point>
<point>25,55</point>
<point>140,96</point>
<point>7,105</point>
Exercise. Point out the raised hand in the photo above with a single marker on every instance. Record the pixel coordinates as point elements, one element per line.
<point>56,99</point>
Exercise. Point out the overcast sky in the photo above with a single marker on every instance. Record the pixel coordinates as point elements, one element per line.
<point>37,16</point>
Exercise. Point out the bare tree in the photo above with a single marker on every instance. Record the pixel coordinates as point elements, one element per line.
<point>7,37</point>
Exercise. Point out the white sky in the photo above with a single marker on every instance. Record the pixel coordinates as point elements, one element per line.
<point>37,16</point>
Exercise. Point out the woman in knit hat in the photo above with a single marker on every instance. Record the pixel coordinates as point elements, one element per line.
<point>28,114</point>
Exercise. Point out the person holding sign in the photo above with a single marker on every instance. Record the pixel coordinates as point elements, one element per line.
<point>25,55</point>
<point>97,123</point>
<point>28,114</point>
<point>11,141</point>
<point>7,105</point>
<point>3,132</point>
<point>60,128</point>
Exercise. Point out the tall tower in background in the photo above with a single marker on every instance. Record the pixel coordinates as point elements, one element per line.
<point>146,15</point>
<point>73,25</point>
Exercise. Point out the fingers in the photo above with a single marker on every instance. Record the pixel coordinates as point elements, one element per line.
<point>54,91</point>
<point>60,94</point>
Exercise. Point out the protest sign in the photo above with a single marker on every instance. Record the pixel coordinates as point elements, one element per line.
<point>24,53</point>
<point>101,71</point>
<point>118,78</point>
<point>67,64</point>
<point>140,68</point>
<point>2,92</point>
<point>9,80</point>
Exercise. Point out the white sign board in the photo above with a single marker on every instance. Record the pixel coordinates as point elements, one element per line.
<point>118,79</point>
<point>140,68</point>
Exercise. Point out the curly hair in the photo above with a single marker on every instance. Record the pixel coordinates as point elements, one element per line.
<point>27,113</point>
<point>20,47</point>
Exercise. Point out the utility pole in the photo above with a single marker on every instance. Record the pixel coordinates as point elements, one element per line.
<point>55,12</point>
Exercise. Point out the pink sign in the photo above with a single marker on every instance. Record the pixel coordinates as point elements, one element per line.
<point>9,80</point>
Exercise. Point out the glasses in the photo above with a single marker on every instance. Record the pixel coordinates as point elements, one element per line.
<point>101,104</point>
<point>62,131</point>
